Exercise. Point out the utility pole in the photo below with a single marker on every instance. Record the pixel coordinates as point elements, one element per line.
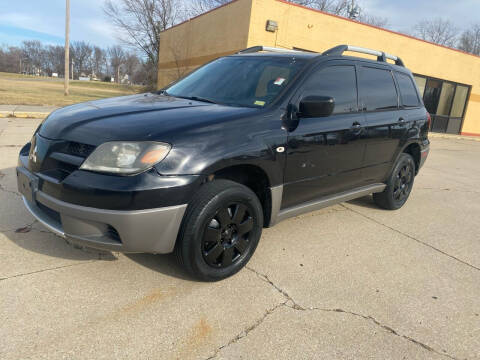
<point>67,45</point>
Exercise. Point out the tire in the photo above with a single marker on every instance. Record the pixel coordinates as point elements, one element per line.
<point>220,230</point>
<point>399,184</point>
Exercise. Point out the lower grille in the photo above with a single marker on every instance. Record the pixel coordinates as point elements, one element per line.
<point>112,233</point>
<point>54,215</point>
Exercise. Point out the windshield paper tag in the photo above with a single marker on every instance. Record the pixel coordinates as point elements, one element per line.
<point>279,81</point>
<point>258,102</point>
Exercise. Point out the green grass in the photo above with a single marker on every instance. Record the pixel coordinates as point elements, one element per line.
<point>16,89</point>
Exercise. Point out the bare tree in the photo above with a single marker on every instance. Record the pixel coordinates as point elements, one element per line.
<point>438,31</point>
<point>131,65</point>
<point>81,56</point>
<point>198,7</point>
<point>55,55</point>
<point>98,61</point>
<point>117,58</point>
<point>11,59</point>
<point>141,21</point>
<point>470,40</point>
<point>373,20</point>
<point>347,8</point>
<point>33,56</point>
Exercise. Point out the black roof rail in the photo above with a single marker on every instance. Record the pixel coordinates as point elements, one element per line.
<point>254,49</point>
<point>381,56</point>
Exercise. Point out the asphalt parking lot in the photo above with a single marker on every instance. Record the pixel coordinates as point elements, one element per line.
<point>347,282</point>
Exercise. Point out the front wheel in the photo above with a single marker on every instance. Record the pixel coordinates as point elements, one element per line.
<point>220,231</point>
<point>399,184</point>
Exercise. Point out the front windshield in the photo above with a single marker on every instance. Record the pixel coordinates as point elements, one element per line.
<point>238,81</point>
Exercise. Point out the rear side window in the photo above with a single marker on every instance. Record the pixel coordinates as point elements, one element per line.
<point>338,82</point>
<point>407,90</point>
<point>378,89</point>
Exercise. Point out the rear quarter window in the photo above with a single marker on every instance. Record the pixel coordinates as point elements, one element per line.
<point>407,90</point>
<point>378,89</point>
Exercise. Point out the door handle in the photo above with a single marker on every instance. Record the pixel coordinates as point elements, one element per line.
<point>401,120</point>
<point>356,126</point>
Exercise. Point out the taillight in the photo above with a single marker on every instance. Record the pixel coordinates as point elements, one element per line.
<point>429,120</point>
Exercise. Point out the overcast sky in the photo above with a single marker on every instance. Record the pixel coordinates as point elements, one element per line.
<point>44,20</point>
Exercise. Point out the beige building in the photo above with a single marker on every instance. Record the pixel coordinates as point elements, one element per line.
<point>448,79</point>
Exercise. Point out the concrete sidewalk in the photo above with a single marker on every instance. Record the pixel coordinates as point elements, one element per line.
<point>454,136</point>
<point>26,111</point>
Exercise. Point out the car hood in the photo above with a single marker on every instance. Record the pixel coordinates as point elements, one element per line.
<point>133,118</point>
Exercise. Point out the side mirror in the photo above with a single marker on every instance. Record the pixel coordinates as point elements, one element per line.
<point>316,106</point>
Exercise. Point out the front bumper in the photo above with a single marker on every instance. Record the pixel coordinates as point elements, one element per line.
<point>151,231</point>
<point>72,212</point>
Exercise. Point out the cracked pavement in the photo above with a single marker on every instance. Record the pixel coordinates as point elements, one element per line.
<point>348,282</point>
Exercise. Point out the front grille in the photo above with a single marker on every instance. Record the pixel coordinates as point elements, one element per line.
<point>78,149</point>
<point>62,158</point>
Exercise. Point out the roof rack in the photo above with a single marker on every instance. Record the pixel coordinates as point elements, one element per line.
<point>381,56</point>
<point>254,49</point>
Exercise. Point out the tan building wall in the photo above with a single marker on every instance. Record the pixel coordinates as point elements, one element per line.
<point>188,45</point>
<point>242,24</point>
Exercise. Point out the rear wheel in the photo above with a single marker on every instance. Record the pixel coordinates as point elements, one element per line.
<point>220,231</point>
<point>399,184</point>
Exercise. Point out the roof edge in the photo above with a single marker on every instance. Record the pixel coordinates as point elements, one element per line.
<point>374,26</point>
<point>199,15</point>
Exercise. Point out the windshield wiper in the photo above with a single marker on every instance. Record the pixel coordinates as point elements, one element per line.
<point>197,98</point>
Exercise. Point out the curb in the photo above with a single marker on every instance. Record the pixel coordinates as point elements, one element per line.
<point>24,114</point>
<point>453,137</point>
<point>30,114</point>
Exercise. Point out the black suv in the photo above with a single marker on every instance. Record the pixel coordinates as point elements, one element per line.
<point>245,141</point>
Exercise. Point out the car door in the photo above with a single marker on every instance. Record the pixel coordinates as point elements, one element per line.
<point>386,121</point>
<point>325,154</point>
<point>410,103</point>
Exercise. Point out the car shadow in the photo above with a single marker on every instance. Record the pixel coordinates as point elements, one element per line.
<point>364,201</point>
<point>166,264</point>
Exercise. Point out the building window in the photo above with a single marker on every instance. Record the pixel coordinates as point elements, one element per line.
<point>431,95</point>
<point>421,81</point>
<point>446,98</point>
<point>445,101</point>
<point>459,101</point>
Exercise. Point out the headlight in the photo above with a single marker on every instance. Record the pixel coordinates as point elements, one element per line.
<point>125,158</point>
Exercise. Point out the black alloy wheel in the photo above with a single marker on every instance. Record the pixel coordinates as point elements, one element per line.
<point>399,184</point>
<point>403,182</point>
<point>220,230</point>
<point>226,237</point>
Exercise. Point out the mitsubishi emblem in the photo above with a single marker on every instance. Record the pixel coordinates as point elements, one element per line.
<point>33,155</point>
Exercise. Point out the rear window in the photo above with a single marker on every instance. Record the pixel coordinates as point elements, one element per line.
<point>407,90</point>
<point>378,89</point>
